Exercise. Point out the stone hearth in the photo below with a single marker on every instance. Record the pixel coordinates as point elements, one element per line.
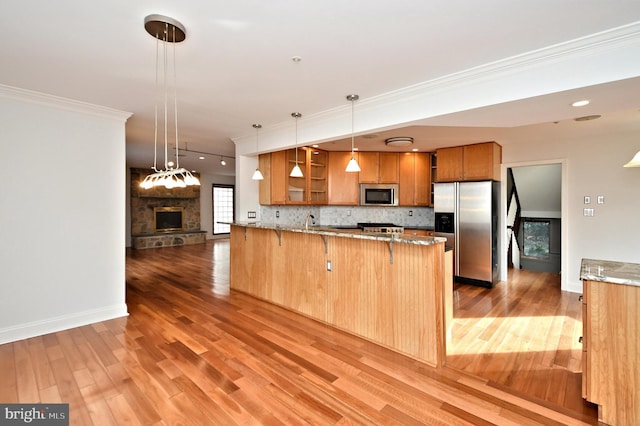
<point>143,202</point>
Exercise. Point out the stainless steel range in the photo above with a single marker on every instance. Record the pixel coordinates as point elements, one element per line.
<point>381,228</point>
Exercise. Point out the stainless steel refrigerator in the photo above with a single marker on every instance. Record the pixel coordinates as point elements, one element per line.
<point>466,213</point>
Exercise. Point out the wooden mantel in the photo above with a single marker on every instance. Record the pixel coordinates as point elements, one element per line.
<point>398,304</point>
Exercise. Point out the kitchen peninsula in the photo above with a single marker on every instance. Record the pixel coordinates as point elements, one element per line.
<point>394,290</point>
<point>611,339</point>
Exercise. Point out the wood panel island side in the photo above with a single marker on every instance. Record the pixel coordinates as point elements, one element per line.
<point>387,289</point>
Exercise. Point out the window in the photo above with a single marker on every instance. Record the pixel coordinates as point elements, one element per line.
<point>222,208</point>
<point>536,241</point>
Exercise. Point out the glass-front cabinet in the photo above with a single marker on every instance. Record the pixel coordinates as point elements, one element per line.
<point>296,186</point>
<point>311,188</point>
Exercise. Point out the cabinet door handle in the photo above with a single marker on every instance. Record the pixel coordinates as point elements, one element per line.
<point>580,339</point>
<point>580,298</point>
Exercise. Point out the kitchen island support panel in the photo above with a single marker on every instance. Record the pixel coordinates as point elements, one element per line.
<point>399,305</point>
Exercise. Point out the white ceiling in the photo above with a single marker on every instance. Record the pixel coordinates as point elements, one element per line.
<point>235,66</point>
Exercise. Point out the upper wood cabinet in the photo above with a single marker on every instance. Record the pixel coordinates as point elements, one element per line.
<point>272,188</point>
<point>278,187</point>
<point>378,167</point>
<point>311,188</point>
<point>470,162</point>
<point>415,179</point>
<point>343,186</point>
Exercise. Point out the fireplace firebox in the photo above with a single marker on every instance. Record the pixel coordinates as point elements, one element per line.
<point>168,219</point>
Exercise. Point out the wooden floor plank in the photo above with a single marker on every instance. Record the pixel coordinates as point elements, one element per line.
<point>194,352</point>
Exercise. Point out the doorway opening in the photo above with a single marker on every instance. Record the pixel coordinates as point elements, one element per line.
<point>223,202</point>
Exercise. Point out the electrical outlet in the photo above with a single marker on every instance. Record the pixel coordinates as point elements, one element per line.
<point>600,199</point>
<point>251,215</point>
<point>329,265</point>
<point>277,214</point>
<point>410,212</point>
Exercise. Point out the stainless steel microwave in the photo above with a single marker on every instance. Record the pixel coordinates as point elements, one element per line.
<point>378,194</point>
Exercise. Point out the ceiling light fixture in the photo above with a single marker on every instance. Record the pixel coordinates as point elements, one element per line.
<point>635,161</point>
<point>296,171</point>
<point>399,141</point>
<point>222,162</point>
<point>257,175</point>
<point>352,165</point>
<point>166,30</point>
<point>580,103</point>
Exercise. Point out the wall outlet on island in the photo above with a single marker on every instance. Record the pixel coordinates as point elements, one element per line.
<point>410,212</point>
<point>277,213</point>
<point>251,215</point>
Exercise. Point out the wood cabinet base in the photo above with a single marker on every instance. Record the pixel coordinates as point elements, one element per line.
<point>388,292</point>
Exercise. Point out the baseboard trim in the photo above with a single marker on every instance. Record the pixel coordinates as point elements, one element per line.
<point>65,322</point>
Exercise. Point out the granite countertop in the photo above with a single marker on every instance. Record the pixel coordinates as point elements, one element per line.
<point>348,233</point>
<point>611,272</point>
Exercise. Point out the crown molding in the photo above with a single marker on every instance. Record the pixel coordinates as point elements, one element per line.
<point>9,92</point>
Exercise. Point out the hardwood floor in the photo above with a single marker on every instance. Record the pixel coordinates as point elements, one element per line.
<point>192,352</point>
<point>522,335</point>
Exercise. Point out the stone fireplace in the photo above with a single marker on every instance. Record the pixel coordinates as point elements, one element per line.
<point>148,205</point>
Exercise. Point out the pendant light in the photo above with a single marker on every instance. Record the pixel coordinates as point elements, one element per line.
<point>222,162</point>
<point>635,161</point>
<point>257,175</point>
<point>296,171</point>
<point>166,30</point>
<point>352,166</point>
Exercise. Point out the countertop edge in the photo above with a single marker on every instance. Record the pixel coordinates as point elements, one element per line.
<point>320,230</point>
<point>624,273</point>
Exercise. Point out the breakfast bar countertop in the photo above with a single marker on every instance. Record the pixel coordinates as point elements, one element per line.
<point>610,271</point>
<point>322,230</point>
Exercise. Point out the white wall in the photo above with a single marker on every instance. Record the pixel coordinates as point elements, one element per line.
<point>594,167</point>
<point>62,254</point>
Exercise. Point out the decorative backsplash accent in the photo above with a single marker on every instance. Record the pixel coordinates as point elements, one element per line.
<point>341,216</point>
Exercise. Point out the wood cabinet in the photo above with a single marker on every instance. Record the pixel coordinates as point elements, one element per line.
<point>611,350</point>
<point>278,187</point>
<point>272,189</point>
<point>469,162</point>
<point>378,167</point>
<point>396,304</point>
<point>343,186</point>
<point>414,179</point>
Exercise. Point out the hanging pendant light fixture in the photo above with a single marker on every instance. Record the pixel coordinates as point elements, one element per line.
<point>222,162</point>
<point>353,165</point>
<point>166,30</point>
<point>257,175</point>
<point>635,161</point>
<point>296,171</point>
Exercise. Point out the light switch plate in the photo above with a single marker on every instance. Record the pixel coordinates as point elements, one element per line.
<point>587,200</point>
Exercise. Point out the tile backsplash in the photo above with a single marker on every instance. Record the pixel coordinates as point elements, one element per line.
<point>341,216</point>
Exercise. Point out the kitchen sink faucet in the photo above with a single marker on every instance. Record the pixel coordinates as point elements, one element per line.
<point>306,221</point>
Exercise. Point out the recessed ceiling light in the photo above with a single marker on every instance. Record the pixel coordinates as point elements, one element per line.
<point>296,59</point>
<point>580,103</point>
<point>415,150</point>
<point>201,158</point>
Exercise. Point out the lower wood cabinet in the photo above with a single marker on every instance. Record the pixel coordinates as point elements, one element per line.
<point>611,351</point>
